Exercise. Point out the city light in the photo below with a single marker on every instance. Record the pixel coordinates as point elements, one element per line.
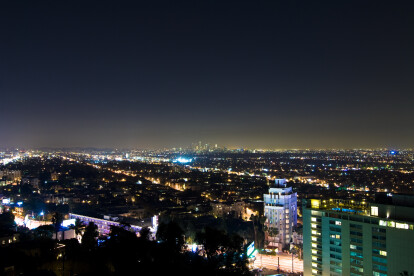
<point>183,160</point>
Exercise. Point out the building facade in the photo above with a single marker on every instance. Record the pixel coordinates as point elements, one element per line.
<point>238,209</point>
<point>280,209</point>
<point>358,238</point>
<point>104,225</point>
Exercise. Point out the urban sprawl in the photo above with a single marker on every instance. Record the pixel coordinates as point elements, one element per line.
<point>206,210</point>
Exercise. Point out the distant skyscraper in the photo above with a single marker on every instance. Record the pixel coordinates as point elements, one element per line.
<point>280,207</point>
<point>358,238</point>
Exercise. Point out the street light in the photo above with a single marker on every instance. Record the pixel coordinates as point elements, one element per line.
<point>43,216</point>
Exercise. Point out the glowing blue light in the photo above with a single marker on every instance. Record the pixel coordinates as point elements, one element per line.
<point>20,203</point>
<point>42,213</point>
<point>6,201</point>
<point>194,247</point>
<point>346,210</point>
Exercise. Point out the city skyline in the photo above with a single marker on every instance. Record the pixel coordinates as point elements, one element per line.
<point>269,75</point>
<point>310,212</point>
<point>206,149</point>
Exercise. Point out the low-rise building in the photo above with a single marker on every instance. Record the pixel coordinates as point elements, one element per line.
<point>104,224</point>
<point>8,239</point>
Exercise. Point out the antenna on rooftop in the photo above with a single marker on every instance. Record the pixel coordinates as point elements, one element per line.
<point>280,183</point>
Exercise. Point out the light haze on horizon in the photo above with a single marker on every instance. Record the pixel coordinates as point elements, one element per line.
<point>240,74</point>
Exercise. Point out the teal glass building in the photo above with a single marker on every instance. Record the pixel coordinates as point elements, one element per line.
<point>358,238</point>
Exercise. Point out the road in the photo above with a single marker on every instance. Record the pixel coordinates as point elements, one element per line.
<point>285,262</point>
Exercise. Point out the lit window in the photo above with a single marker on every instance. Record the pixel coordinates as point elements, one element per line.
<point>314,252</point>
<point>313,239</point>
<point>383,253</point>
<point>402,225</point>
<point>338,223</point>
<point>374,211</point>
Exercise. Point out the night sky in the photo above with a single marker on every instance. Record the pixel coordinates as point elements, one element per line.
<point>258,74</point>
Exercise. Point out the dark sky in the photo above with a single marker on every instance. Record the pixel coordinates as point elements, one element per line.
<point>262,74</point>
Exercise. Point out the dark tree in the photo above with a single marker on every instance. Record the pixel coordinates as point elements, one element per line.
<point>145,233</point>
<point>259,233</point>
<point>171,235</point>
<point>224,252</point>
<point>79,227</point>
<point>7,223</point>
<point>122,247</point>
<point>213,241</point>
<point>44,232</point>
<point>89,237</point>
<point>57,220</point>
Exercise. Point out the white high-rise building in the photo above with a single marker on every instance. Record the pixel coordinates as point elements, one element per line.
<point>280,208</point>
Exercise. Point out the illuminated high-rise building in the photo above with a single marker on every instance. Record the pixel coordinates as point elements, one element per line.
<point>280,208</point>
<point>358,238</point>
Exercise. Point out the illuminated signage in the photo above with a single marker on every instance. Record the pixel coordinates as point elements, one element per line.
<point>251,251</point>
<point>68,222</point>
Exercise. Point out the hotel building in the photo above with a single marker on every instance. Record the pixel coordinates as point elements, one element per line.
<point>358,238</point>
<point>280,209</point>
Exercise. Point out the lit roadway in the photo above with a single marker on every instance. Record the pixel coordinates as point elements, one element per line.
<point>285,262</point>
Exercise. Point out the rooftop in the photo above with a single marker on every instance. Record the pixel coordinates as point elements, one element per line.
<point>389,212</point>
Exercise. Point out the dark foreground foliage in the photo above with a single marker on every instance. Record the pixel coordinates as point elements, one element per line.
<point>123,253</point>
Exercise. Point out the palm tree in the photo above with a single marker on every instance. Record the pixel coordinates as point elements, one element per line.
<point>57,220</point>
<point>405,273</point>
<point>271,232</point>
<point>258,227</point>
<point>297,249</point>
<point>89,236</point>
<point>79,227</point>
